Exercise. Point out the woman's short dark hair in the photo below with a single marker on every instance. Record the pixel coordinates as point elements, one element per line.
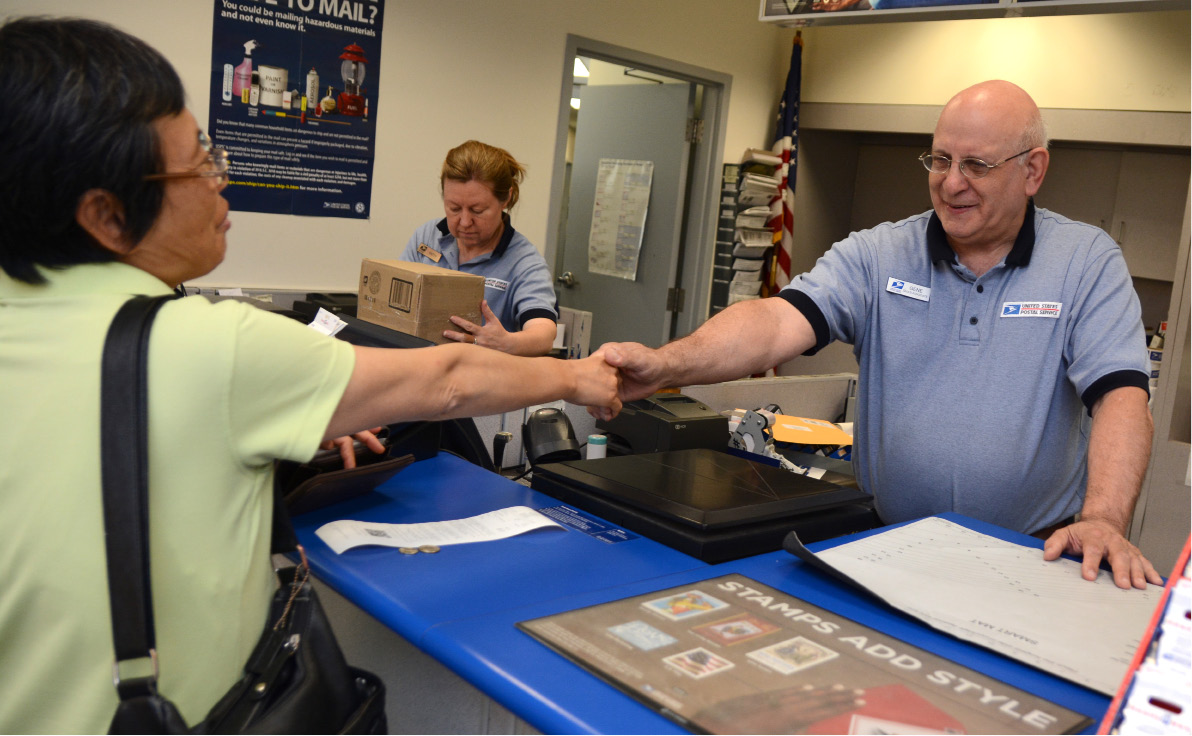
<point>78,99</point>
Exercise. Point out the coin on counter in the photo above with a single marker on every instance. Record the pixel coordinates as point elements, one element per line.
<point>429,548</point>
<point>408,550</point>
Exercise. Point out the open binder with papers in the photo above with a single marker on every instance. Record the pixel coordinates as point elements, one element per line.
<point>997,594</point>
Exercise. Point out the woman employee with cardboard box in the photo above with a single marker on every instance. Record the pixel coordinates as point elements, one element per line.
<point>479,184</point>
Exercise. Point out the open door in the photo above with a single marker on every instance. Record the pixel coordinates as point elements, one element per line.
<point>659,116</point>
<point>643,124</point>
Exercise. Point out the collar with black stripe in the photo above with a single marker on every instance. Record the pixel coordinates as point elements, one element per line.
<point>506,235</point>
<point>1019,255</point>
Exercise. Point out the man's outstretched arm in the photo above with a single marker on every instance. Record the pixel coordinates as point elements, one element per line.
<point>748,337</point>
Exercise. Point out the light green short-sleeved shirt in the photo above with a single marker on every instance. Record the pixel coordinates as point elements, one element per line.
<point>231,388</point>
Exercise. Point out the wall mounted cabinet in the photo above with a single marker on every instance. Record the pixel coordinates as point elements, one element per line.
<point>1137,196</point>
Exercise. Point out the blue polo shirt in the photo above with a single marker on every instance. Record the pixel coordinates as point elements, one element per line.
<point>517,282</point>
<point>972,391</point>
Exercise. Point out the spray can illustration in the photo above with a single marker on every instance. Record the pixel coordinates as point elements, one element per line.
<point>312,85</point>
<point>243,79</point>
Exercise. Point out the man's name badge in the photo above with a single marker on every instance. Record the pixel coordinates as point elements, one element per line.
<point>906,288</point>
<point>1032,309</point>
<point>429,252</point>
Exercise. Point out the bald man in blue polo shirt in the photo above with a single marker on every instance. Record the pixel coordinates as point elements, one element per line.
<point>1003,370</point>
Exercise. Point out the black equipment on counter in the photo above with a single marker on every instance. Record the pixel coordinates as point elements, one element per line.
<point>547,437</point>
<point>664,422</point>
<point>709,504</point>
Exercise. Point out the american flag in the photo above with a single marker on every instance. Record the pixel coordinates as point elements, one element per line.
<point>786,144</point>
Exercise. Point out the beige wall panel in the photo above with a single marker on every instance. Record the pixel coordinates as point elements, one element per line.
<point>1124,61</point>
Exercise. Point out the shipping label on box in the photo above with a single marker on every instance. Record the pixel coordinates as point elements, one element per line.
<point>416,298</point>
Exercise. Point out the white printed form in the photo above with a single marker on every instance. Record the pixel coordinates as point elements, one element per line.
<point>1003,596</point>
<point>509,522</point>
<point>619,216</point>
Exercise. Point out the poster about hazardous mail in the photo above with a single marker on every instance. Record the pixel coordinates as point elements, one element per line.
<point>293,100</point>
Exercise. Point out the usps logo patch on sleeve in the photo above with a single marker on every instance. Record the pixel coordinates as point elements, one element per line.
<point>1032,309</point>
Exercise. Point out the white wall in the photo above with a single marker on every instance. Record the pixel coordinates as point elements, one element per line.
<point>1123,61</point>
<point>493,71</point>
<point>451,71</point>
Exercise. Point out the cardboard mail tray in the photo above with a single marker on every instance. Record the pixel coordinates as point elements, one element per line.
<point>416,298</point>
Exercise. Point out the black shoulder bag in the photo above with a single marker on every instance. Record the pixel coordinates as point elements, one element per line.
<point>296,680</point>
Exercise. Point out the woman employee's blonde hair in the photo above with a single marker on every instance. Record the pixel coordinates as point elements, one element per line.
<point>489,164</point>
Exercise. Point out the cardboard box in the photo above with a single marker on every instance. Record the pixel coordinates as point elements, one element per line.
<point>416,298</point>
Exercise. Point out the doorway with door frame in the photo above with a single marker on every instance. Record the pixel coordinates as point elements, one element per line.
<point>697,243</point>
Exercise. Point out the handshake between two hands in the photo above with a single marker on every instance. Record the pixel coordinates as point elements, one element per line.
<point>617,372</point>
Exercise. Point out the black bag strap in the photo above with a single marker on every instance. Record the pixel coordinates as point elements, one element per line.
<point>284,538</point>
<point>124,445</point>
